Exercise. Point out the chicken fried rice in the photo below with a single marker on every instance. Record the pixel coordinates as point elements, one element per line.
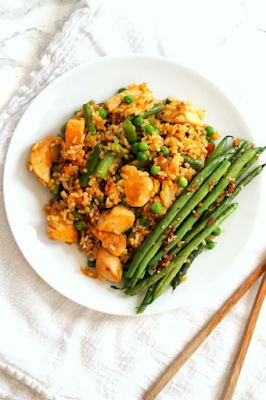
<point>114,171</point>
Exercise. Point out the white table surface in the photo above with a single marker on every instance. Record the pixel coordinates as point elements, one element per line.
<point>27,26</point>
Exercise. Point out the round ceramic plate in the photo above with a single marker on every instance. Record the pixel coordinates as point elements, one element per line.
<point>59,264</point>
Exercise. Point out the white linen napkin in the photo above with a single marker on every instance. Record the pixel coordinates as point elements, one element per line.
<point>52,348</point>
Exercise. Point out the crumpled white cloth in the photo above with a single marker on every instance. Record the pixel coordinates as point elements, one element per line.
<point>51,348</point>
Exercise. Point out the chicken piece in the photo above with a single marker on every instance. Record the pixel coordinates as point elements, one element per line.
<point>169,192</point>
<point>58,229</point>
<point>179,112</point>
<point>117,220</point>
<point>41,159</point>
<point>55,154</point>
<point>138,186</point>
<point>108,266</point>
<point>116,103</point>
<point>115,243</point>
<point>143,100</point>
<point>75,132</point>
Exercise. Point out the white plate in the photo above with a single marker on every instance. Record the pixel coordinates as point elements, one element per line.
<point>59,264</point>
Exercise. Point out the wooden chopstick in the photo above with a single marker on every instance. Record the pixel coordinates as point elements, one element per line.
<point>245,341</point>
<point>203,334</point>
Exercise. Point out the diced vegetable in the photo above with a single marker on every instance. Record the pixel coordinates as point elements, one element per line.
<point>93,161</point>
<point>103,166</point>
<point>154,110</point>
<point>130,131</point>
<point>88,118</point>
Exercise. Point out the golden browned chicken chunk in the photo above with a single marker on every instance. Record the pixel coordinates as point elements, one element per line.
<point>74,142</point>
<point>58,229</point>
<point>75,132</point>
<point>179,112</point>
<point>117,220</point>
<point>142,100</point>
<point>40,160</point>
<point>108,266</point>
<point>138,186</point>
<point>115,243</point>
<point>169,191</point>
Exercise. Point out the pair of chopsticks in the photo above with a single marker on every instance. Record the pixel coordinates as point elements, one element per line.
<point>210,326</point>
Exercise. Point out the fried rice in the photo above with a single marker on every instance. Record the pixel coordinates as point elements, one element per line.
<point>179,127</point>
